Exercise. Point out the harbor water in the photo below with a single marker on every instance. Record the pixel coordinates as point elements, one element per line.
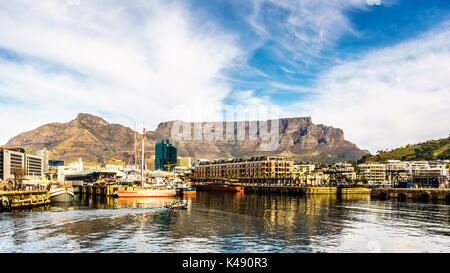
<point>229,222</point>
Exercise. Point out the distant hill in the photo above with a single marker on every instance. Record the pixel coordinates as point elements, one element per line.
<point>95,140</point>
<point>429,150</point>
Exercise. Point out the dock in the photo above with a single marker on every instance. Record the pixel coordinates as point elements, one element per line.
<point>424,194</point>
<point>20,199</point>
<point>340,192</point>
<point>296,190</point>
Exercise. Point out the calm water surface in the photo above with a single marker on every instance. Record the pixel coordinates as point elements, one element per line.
<point>227,222</point>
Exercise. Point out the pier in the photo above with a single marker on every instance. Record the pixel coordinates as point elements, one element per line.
<point>20,199</point>
<point>106,190</point>
<point>424,194</point>
<point>300,190</point>
<point>340,192</point>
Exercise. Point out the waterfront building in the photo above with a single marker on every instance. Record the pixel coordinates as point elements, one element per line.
<point>115,164</point>
<point>165,156</point>
<point>255,167</point>
<point>344,169</point>
<point>73,167</point>
<point>398,171</point>
<point>11,159</point>
<point>181,170</point>
<point>314,178</point>
<point>55,163</point>
<point>433,175</point>
<point>306,173</point>
<point>34,165</point>
<point>184,162</point>
<point>303,167</point>
<point>16,160</point>
<point>418,166</point>
<point>44,155</point>
<point>151,163</point>
<point>373,173</point>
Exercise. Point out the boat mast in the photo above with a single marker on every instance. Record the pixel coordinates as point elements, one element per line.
<point>142,165</point>
<point>135,148</point>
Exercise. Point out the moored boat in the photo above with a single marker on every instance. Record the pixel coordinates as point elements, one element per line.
<point>60,193</point>
<point>187,191</point>
<point>146,192</point>
<point>225,187</point>
<point>176,205</point>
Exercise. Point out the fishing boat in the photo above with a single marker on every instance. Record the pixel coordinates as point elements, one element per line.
<point>60,193</point>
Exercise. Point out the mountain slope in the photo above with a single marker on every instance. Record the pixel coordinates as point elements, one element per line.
<point>429,150</point>
<point>96,140</point>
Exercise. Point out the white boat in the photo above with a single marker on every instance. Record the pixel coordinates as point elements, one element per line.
<point>156,191</point>
<point>60,193</point>
<point>176,205</point>
<point>146,192</point>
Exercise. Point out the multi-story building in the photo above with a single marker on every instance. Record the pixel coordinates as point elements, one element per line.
<point>434,174</point>
<point>184,162</point>
<point>255,167</point>
<point>165,156</point>
<point>373,173</point>
<point>418,166</point>
<point>345,170</point>
<point>13,161</point>
<point>151,163</point>
<point>398,171</point>
<point>34,165</point>
<point>44,155</point>
<point>115,164</point>
<point>314,178</point>
<point>303,167</point>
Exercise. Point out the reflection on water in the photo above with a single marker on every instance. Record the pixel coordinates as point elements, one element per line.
<point>229,222</point>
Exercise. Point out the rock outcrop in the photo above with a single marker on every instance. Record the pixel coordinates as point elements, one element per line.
<point>94,139</point>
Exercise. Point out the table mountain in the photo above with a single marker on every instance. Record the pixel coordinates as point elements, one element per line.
<point>95,140</point>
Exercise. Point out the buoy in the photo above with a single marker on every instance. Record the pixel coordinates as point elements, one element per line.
<point>5,202</point>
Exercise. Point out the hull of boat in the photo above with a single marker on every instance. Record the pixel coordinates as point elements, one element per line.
<point>224,187</point>
<point>146,193</point>
<point>61,195</point>
<point>187,191</point>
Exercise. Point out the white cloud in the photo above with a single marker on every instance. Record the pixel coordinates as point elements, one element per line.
<point>303,27</point>
<point>389,97</point>
<point>129,60</point>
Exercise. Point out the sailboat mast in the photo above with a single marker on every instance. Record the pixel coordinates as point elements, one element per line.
<point>142,166</point>
<point>135,147</point>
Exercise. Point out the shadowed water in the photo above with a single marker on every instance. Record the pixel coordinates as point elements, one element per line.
<point>227,222</point>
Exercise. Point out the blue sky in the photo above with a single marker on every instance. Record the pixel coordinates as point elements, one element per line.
<point>378,69</point>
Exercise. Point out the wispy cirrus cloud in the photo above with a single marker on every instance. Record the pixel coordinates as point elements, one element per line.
<point>388,97</point>
<point>124,60</point>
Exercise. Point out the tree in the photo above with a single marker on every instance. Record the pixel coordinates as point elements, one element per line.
<point>19,173</point>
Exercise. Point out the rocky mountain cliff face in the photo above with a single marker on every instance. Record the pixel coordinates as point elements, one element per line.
<point>93,139</point>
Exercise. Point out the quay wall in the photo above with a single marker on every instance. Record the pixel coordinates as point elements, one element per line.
<point>423,194</point>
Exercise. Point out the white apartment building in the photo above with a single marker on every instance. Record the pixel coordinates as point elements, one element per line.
<point>374,173</point>
<point>398,170</point>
